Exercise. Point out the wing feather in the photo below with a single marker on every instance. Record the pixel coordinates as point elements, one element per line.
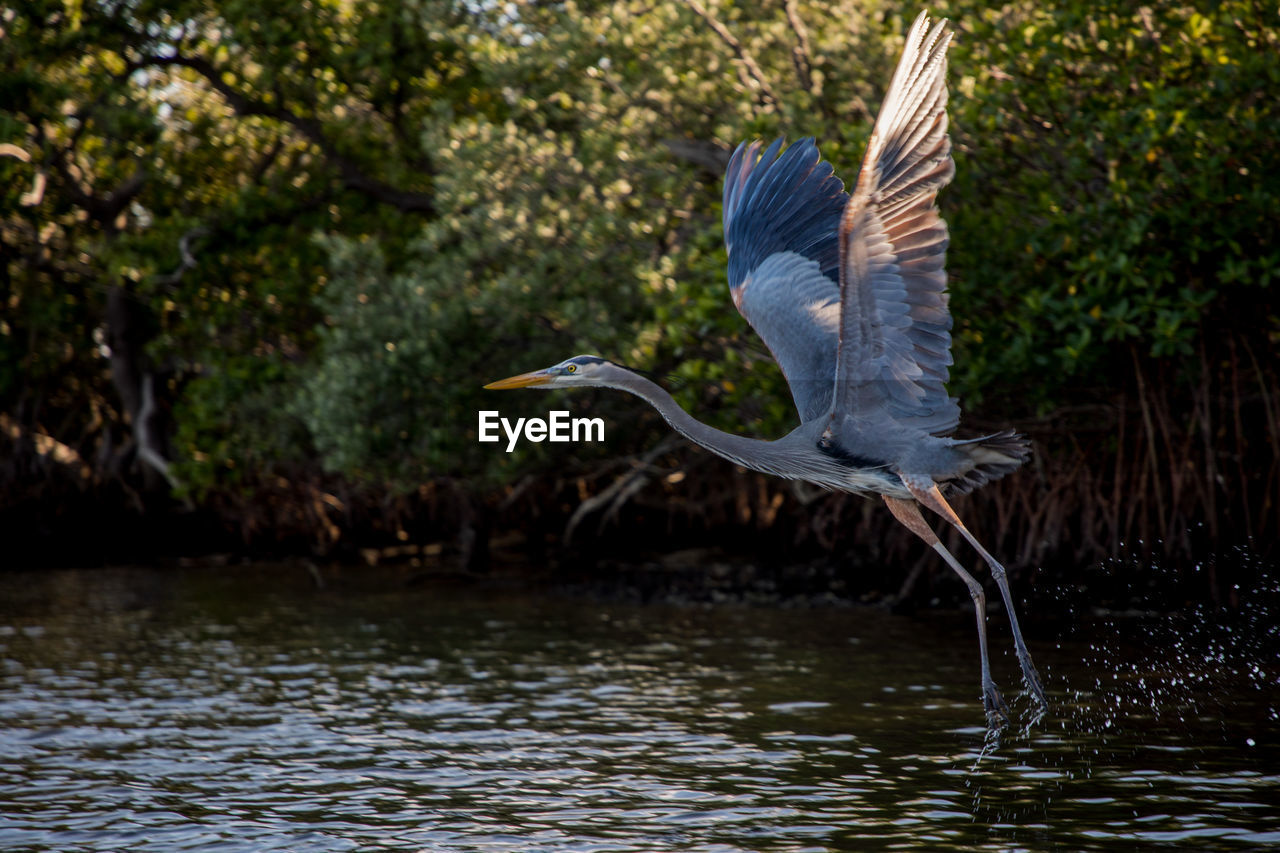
<point>894,351</point>
<point>782,214</point>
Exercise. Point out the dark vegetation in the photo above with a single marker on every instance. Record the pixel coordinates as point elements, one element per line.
<point>257,263</point>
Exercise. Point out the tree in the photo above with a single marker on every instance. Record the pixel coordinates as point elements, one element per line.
<point>308,235</point>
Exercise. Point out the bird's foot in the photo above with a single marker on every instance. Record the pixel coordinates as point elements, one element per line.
<point>997,710</point>
<point>1031,680</point>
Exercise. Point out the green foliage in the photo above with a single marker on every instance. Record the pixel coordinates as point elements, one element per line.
<point>387,205</point>
<point>1116,187</point>
<point>188,153</point>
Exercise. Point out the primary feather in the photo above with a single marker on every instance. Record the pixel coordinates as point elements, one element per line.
<point>849,294</point>
<point>895,331</point>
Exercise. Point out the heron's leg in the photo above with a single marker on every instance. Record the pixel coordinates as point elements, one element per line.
<point>931,497</point>
<point>908,512</point>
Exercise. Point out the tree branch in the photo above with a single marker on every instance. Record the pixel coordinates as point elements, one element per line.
<point>353,177</point>
<point>622,489</point>
<point>708,155</point>
<point>763,90</point>
<point>800,53</point>
<point>188,257</point>
<point>103,210</point>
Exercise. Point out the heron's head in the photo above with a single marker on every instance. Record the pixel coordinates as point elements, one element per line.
<point>579,370</point>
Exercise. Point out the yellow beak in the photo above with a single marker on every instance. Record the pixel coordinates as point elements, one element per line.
<point>524,380</point>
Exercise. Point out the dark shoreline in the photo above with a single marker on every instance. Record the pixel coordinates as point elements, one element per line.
<point>708,575</point>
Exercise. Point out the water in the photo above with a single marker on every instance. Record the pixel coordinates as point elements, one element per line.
<point>239,710</point>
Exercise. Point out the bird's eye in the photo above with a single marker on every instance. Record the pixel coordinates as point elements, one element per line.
<point>573,368</point>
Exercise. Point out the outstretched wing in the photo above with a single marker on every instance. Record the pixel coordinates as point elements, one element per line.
<point>895,330</point>
<point>781,218</point>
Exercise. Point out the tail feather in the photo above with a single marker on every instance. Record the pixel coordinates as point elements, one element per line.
<point>992,456</point>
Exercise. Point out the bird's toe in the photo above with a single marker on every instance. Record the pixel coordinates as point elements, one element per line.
<point>997,711</point>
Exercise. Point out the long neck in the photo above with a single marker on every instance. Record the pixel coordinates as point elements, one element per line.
<point>751,453</point>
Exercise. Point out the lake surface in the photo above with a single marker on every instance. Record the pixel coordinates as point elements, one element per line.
<point>249,710</point>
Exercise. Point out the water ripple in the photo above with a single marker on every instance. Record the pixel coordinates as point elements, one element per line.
<point>378,723</point>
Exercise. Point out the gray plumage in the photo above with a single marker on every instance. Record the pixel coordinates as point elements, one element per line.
<point>848,292</point>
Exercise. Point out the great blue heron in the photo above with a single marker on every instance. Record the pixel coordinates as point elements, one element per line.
<point>849,294</point>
